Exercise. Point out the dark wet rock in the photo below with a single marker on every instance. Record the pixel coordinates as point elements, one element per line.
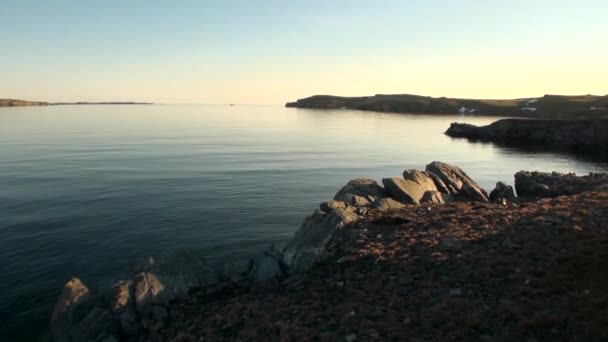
<point>502,192</point>
<point>410,189</point>
<point>456,180</point>
<point>436,197</point>
<point>362,187</point>
<point>544,184</point>
<point>386,204</point>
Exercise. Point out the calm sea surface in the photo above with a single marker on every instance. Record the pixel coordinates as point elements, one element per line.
<point>90,191</point>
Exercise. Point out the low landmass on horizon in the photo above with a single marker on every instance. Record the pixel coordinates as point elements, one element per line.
<point>548,106</point>
<point>23,103</point>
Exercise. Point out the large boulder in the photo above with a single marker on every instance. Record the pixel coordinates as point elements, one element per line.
<point>411,188</point>
<point>387,203</point>
<point>309,243</point>
<point>457,181</point>
<point>436,197</point>
<point>365,188</point>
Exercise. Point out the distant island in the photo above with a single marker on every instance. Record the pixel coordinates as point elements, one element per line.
<point>548,106</point>
<point>22,103</point>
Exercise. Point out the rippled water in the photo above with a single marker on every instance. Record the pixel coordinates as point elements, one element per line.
<point>92,190</point>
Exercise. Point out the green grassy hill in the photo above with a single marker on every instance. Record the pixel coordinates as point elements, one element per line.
<point>548,106</point>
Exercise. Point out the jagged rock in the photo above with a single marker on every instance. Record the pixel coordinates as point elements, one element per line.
<point>309,242</point>
<point>436,197</point>
<point>410,189</point>
<point>422,178</point>
<point>386,204</point>
<point>455,180</point>
<point>473,193</point>
<point>439,184</point>
<point>69,310</point>
<point>120,296</point>
<point>502,192</point>
<point>148,290</point>
<point>363,187</point>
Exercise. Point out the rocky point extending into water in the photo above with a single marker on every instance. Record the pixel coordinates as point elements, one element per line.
<point>428,256</point>
<point>548,106</point>
<point>585,136</point>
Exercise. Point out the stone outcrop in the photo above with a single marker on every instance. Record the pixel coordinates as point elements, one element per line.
<point>131,310</point>
<point>586,136</point>
<point>456,181</point>
<point>387,203</point>
<point>411,188</point>
<point>308,244</point>
<point>365,188</point>
<point>543,184</point>
<point>436,197</point>
<point>502,192</point>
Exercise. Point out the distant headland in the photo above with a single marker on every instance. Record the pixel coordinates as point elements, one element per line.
<point>22,103</point>
<point>548,106</point>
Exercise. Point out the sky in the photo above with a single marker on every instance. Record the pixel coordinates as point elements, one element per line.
<point>271,52</point>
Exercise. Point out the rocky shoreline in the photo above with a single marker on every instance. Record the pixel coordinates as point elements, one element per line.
<point>545,107</point>
<point>580,136</point>
<point>399,260</point>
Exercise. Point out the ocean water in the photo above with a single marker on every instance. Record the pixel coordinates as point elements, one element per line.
<point>90,191</point>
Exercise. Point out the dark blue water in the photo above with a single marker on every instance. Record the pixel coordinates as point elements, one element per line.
<point>89,191</point>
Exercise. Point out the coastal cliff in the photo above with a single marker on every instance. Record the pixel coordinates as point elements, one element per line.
<point>584,136</point>
<point>548,106</point>
<point>429,255</point>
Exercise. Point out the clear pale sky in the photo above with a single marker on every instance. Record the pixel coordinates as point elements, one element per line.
<point>271,51</point>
